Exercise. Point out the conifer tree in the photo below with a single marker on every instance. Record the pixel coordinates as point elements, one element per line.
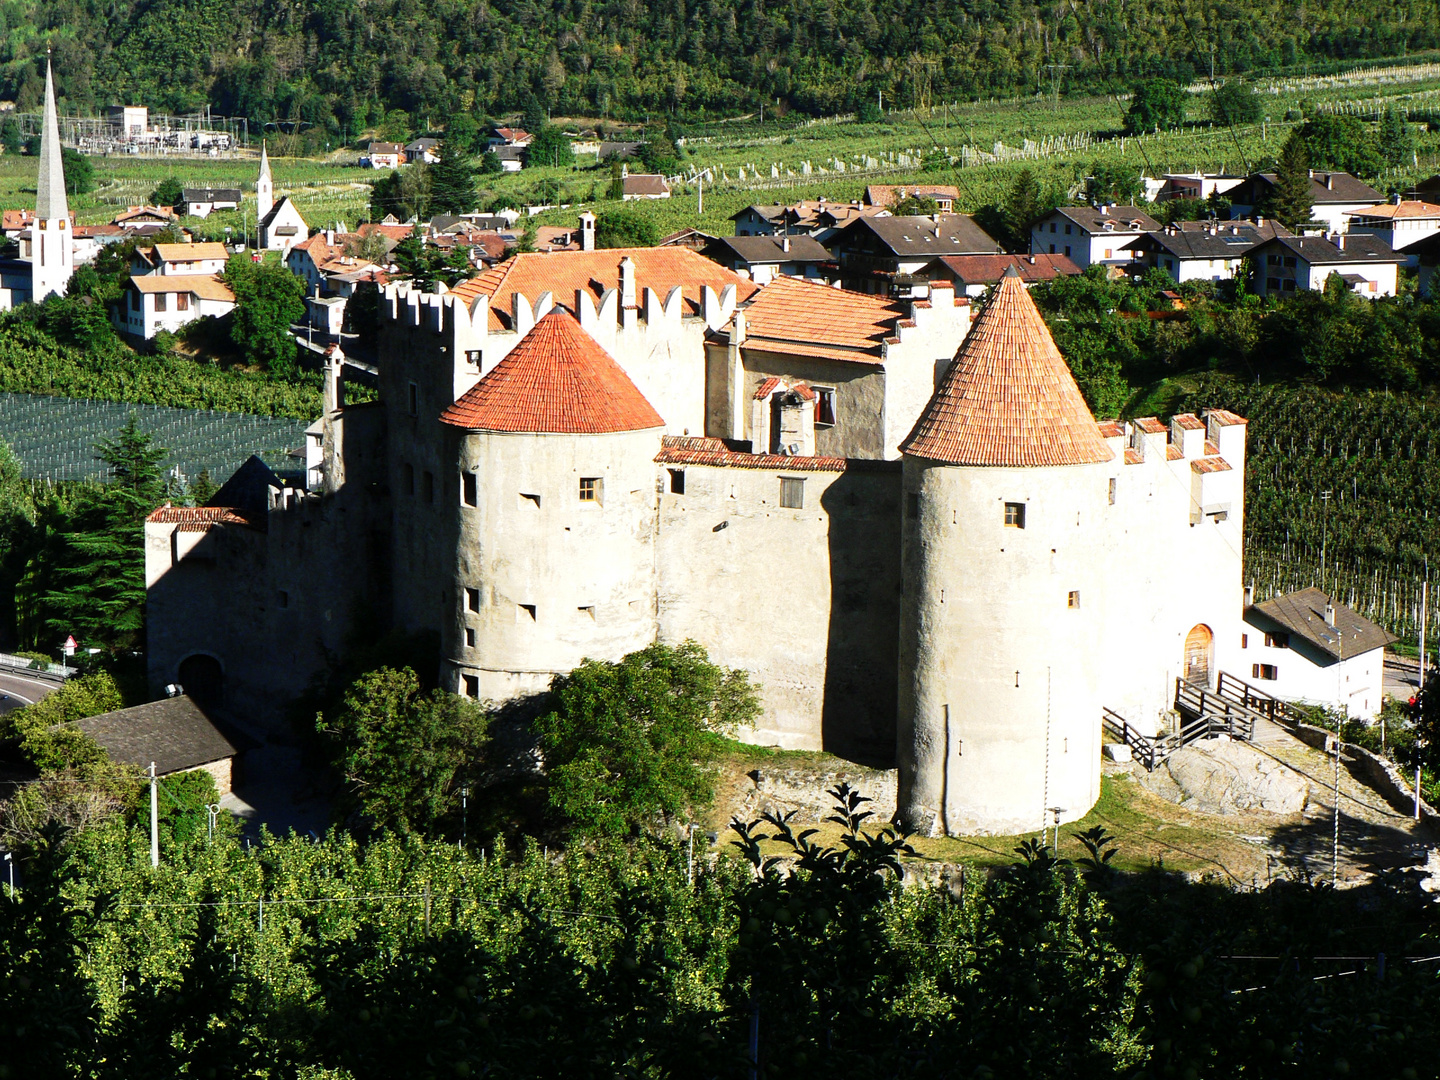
<point>1022,207</point>
<point>452,181</point>
<point>1397,143</point>
<point>1289,201</point>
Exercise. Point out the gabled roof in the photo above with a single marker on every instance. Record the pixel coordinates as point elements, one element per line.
<point>1323,251</point>
<point>174,733</point>
<point>1114,219</point>
<point>1325,187</point>
<point>556,380</point>
<point>806,318</point>
<point>190,252</point>
<point>209,195</point>
<point>645,184</point>
<point>205,286</point>
<point>1409,209</point>
<point>248,488</point>
<point>767,249</point>
<point>920,236</point>
<point>275,211</point>
<point>386,148</point>
<point>1009,398</point>
<point>562,273</point>
<point>1223,242</point>
<point>136,213</point>
<point>988,269</point>
<point>890,194</point>
<point>693,450</point>
<point>1303,614</point>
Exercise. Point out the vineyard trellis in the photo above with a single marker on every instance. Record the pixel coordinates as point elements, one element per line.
<point>54,437</point>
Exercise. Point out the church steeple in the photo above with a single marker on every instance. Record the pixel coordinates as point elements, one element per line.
<point>52,248</point>
<point>264,187</point>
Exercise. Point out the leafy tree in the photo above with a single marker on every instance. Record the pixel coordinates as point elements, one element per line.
<point>528,234</point>
<point>490,164</point>
<point>98,591</point>
<point>1113,184</point>
<point>51,750</point>
<point>868,111</point>
<point>396,127</point>
<point>462,134</point>
<point>404,755</point>
<point>168,192</point>
<point>624,227</point>
<point>1396,140</point>
<point>404,193</point>
<point>617,181</point>
<point>10,137</point>
<point>1288,201</point>
<point>452,181</point>
<point>629,741</point>
<point>79,173</point>
<point>268,300</point>
<point>549,147</point>
<point>1342,143</point>
<point>659,154</point>
<point>1155,103</point>
<point>1235,102</point>
<point>915,204</point>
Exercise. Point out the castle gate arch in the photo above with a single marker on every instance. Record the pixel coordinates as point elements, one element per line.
<point>1199,655</point>
<point>203,680</point>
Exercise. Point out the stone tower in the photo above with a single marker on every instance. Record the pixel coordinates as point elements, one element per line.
<point>264,186</point>
<point>1002,564</point>
<point>52,249</point>
<point>555,510</point>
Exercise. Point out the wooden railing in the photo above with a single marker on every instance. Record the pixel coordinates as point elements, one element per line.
<point>1227,713</point>
<point>1148,750</point>
<point>1255,699</point>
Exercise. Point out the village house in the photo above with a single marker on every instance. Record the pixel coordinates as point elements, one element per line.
<point>511,158</point>
<point>202,202</point>
<point>764,258</point>
<point>1400,224</point>
<point>973,275</point>
<point>385,155</point>
<point>1333,196</point>
<point>175,734</point>
<point>1305,647</point>
<point>508,136</point>
<point>188,259</point>
<point>886,196</point>
<point>643,186</point>
<point>1091,235</point>
<point>1203,251</point>
<point>1366,265</point>
<point>1195,185</point>
<point>821,219</point>
<point>898,255</point>
<point>141,217</point>
<point>423,149</point>
<point>155,302</point>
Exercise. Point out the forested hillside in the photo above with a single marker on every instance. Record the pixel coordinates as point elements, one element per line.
<point>341,64</point>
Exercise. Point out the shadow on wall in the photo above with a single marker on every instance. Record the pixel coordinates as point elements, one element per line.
<point>863,506</point>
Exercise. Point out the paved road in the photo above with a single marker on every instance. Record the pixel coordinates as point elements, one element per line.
<point>19,689</point>
<point>1402,675</point>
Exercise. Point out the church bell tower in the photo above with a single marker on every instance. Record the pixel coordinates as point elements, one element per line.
<point>52,247</point>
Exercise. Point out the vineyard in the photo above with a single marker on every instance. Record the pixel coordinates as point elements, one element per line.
<point>54,437</point>
<point>1375,455</point>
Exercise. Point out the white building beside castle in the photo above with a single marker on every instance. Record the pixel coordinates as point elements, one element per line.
<point>908,529</point>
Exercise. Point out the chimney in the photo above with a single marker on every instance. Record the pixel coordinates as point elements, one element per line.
<point>627,282</point>
<point>330,237</point>
<point>1032,260</point>
<point>1249,596</point>
<point>1104,210</point>
<point>1330,615</point>
<point>785,243</point>
<point>587,231</point>
<point>1340,241</point>
<point>1259,222</point>
<point>1329,181</point>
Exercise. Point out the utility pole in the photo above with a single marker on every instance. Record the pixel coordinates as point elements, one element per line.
<point>1324,535</point>
<point>1055,70</point>
<point>154,818</point>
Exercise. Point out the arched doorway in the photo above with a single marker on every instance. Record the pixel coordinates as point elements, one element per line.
<point>202,679</point>
<point>1199,655</point>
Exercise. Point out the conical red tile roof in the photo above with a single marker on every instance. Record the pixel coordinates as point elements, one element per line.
<point>1009,397</point>
<point>557,380</point>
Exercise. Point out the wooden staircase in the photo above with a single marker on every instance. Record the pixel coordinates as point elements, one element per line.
<point>1233,708</point>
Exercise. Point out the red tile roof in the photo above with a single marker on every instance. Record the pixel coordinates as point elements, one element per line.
<point>804,318</point>
<point>1225,418</point>
<point>1189,421</point>
<point>1173,452</point>
<point>1150,425</point>
<point>1210,464</point>
<point>1132,456</point>
<point>394,232</point>
<point>689,450</point>
<point>985,269</point>
<point>200,518</point>
<point>561,273</point>
<point>1009,398</point>
<point>557,380</point>
<point>1110,429</point>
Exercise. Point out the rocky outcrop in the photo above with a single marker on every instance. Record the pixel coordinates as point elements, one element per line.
<point>1224,777</point>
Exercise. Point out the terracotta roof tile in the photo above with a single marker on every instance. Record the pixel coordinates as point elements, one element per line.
<point>1132,456</point>
<point>1009,398</point>
<point>683,450</point>
<point>1189,421</point>
<point>1211,450</point>
<point>1210,464</point>
<point>1225,418</point>
<point>1173,452</point>
<point>805,318</point>
<point>557,380</point>
<point>199,518</point>
<point>1150,425</point>
<point>1110,429</point>
<point>766,388</point>
<point>987,269</point>
<point>205,286</point>
<point>191,252</point>
<point>561,273</point>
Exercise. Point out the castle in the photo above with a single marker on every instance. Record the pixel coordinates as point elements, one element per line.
<point>909,529</point>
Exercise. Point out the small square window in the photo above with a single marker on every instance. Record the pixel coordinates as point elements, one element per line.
<point>469,637</point>
<point>1069,229</point>
<point>283,598</point>
<point>586,611</point>
<point>468,494</point>
<point>524,612</point>
<point>792,493</point>
<point>590,487</point>
<point>1074,600</point>
<point>414,400</point>
<point>428,486</point>
<point>1113,485</point>
<point>1278,640</point>
<point>408,471</point>
<point>1014,515</point>
<point>1266,672</point>
<point>1244,641</point>
<point>472,599</point>
<point>532,501</point>
<point>912,505</point>
<point>471,684</point>
<point>677,481</point>
<point>472,357</point>
<point>824,405</point>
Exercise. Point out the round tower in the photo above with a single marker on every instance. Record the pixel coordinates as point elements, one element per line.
<point>554,555</point>
<point>1003,598</point>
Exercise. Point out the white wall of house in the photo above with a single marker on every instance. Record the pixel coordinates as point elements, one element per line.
<point>1057,235</point>
<point>1380,278</point>
<point>1398,233</point>
<point>1295,675</point>
<point>144,315</point>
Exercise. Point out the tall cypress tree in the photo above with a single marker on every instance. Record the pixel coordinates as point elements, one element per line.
<point>452,181</point>
<point>1289,201</point>
<point>1397,144</point>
